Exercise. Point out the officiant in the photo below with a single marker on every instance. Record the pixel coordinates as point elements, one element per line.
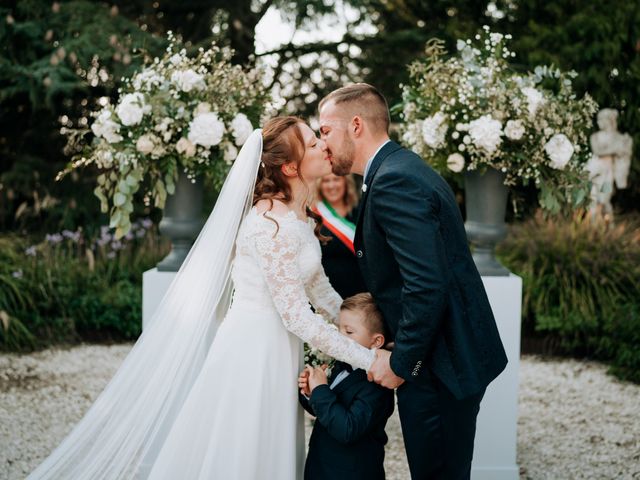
<point>337,204</point>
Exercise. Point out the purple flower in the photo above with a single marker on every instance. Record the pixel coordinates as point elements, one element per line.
<point>141,233</point>
<point>17,274</point>
<point>147,223</point>
<point>104,230</point>
<point>31,251</point>
<point>129,236</point>
<point>102,241</point>
<point>73,236</point>
<point>111,255</point>
<point>54,239</point>
<point>116,245</point>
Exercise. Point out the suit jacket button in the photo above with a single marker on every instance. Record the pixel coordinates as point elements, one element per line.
<point>414,374</point>
<point>359,254</point>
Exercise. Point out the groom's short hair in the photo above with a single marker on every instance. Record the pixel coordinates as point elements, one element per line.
<point>364,100</point>
<point>364,304</point>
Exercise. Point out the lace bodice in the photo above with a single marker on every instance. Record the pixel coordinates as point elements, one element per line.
<point>279,266</point>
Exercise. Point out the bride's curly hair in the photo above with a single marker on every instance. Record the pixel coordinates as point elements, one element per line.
<point>282,143</point>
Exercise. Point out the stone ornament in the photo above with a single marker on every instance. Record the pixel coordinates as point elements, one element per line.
<point>610,163</point>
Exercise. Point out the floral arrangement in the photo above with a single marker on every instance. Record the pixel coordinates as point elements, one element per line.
<point>315,358</point>
<point>179,114</point>
<point>471,111</point>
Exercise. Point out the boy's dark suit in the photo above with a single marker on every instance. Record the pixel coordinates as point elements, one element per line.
<point>348,438</point>
<point>413,253</point>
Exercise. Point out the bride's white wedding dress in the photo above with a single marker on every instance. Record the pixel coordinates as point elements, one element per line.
<point>241,419</point>
<point>209,390</point>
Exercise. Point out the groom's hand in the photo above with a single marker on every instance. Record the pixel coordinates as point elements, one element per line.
<point>381,373</point>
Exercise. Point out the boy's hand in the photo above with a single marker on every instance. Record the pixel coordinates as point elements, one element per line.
<point>303,383</point>
<point>317,376</point>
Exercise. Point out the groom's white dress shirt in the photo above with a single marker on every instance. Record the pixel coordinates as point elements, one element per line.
<point>366,168</point>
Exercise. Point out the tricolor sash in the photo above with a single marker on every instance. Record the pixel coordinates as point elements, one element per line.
<point>337,224</point>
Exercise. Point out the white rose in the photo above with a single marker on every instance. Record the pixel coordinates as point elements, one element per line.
<point>131,109</point>
<point>230,153</point>
<point>241,128</point>
<point>106,128</point>
<point>206,130</point>
<point>534,99</point>
<point>434,130</point>
<point>146,143</point>
<point>203,107</point>
<point>486,133</point>
<point>559,149</point>
<point>188,80</point>
<point>514,130</point>
<point>455,162</point>
<point>186,147</point>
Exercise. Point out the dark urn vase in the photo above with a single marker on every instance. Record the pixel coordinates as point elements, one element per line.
<point>486,205</point>
<point>181,221</point>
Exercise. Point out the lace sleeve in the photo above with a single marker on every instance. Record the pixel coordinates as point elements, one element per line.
<point>277,256</point>
<point>324,298</point>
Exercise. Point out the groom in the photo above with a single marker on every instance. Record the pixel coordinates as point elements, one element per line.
<point>413,253</point>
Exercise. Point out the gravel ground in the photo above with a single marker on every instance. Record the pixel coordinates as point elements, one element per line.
<point>576,422</point>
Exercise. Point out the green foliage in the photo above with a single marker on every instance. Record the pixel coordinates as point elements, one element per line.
<point>468,110</point>
<point>581,287</point>
<point>599,40</point>
<point>69,288</point>
<point>56,60</point>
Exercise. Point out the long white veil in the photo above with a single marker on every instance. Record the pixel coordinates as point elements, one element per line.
<point>123,431</point>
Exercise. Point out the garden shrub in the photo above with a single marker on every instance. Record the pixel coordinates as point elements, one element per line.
<point>581,287</point>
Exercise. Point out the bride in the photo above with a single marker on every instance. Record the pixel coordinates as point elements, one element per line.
<point>199,397</point>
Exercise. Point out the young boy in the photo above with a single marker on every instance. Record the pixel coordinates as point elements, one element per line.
<point>348,438</point>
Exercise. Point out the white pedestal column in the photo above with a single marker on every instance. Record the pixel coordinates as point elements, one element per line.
<point>154,286</point>
<point>494,456</point>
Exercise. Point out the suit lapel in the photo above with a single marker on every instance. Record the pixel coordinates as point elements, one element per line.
<point>384,152</point>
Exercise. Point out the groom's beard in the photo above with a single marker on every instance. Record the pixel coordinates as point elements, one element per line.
<point>342,162</point>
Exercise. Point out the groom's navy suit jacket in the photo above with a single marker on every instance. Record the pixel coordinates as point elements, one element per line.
<point>348,438</point>
<point>415,260</point>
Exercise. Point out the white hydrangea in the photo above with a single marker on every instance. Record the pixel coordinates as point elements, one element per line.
<point>206,130</point>
<point>104,158</point>
<point>560,150</point>
<point>535,99</point>
<point>241,128</point>
<point>132,108</point>
<point>434,130</point>
<point>455,162</point>
<point>184,146</point>
<point>106,128</point>
<point>413,133</point>
<point>187,80</point>
<point>486,133</point>
<point>514,129</point>
<point>146,79</point>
